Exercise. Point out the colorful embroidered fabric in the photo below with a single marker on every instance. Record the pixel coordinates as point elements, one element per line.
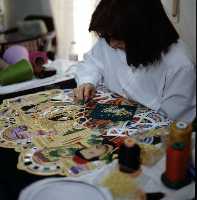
<point>49,130</point>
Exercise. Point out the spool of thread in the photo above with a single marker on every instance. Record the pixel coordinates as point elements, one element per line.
<point>180,132</point>
<point>177,165</point>
<point>34,56</point>
<point>129,156</point>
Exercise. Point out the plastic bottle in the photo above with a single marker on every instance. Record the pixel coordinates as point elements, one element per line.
<point>73,56</point>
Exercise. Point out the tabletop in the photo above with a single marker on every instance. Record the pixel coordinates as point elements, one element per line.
<point>35,127</point>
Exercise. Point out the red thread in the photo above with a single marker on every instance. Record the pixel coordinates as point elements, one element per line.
<point>177,163</point>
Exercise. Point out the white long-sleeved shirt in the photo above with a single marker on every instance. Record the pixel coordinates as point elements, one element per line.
<point>168,87</point>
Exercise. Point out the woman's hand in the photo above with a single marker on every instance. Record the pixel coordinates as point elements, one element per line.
<point>84,92</point>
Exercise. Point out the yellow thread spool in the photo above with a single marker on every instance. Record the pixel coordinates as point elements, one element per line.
<point>180,132</point>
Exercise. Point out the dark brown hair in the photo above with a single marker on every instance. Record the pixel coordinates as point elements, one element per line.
<point>142,24</point>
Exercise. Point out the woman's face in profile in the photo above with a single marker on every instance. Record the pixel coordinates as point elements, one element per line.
<point>117,44</point>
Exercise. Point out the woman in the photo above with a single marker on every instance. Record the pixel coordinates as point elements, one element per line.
<point>139,55</point>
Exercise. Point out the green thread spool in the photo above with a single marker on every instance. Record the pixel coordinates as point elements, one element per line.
<point>21,71</point>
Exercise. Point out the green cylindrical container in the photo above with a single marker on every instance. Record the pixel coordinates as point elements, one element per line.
<point>19,72</point>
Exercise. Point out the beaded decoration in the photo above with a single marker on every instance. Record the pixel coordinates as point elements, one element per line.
<point>50,121</point>
<point>48,161</point>
<point>113,113</point>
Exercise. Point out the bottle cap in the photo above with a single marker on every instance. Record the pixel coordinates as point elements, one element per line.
<point>129,142</point>
<point>73,42</point>
<point>181,125</point>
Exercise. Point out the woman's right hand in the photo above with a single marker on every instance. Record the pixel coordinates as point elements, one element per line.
<point>84,92</point>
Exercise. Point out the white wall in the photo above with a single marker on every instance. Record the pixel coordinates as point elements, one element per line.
<point>186,25</point>
<point>84,39</point>
<point>63,17</point>
<point>72,18</point>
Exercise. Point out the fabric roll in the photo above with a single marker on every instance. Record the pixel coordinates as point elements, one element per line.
<point>19,72</point>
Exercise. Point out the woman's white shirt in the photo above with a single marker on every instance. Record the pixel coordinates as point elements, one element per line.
<point>168,87</point>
